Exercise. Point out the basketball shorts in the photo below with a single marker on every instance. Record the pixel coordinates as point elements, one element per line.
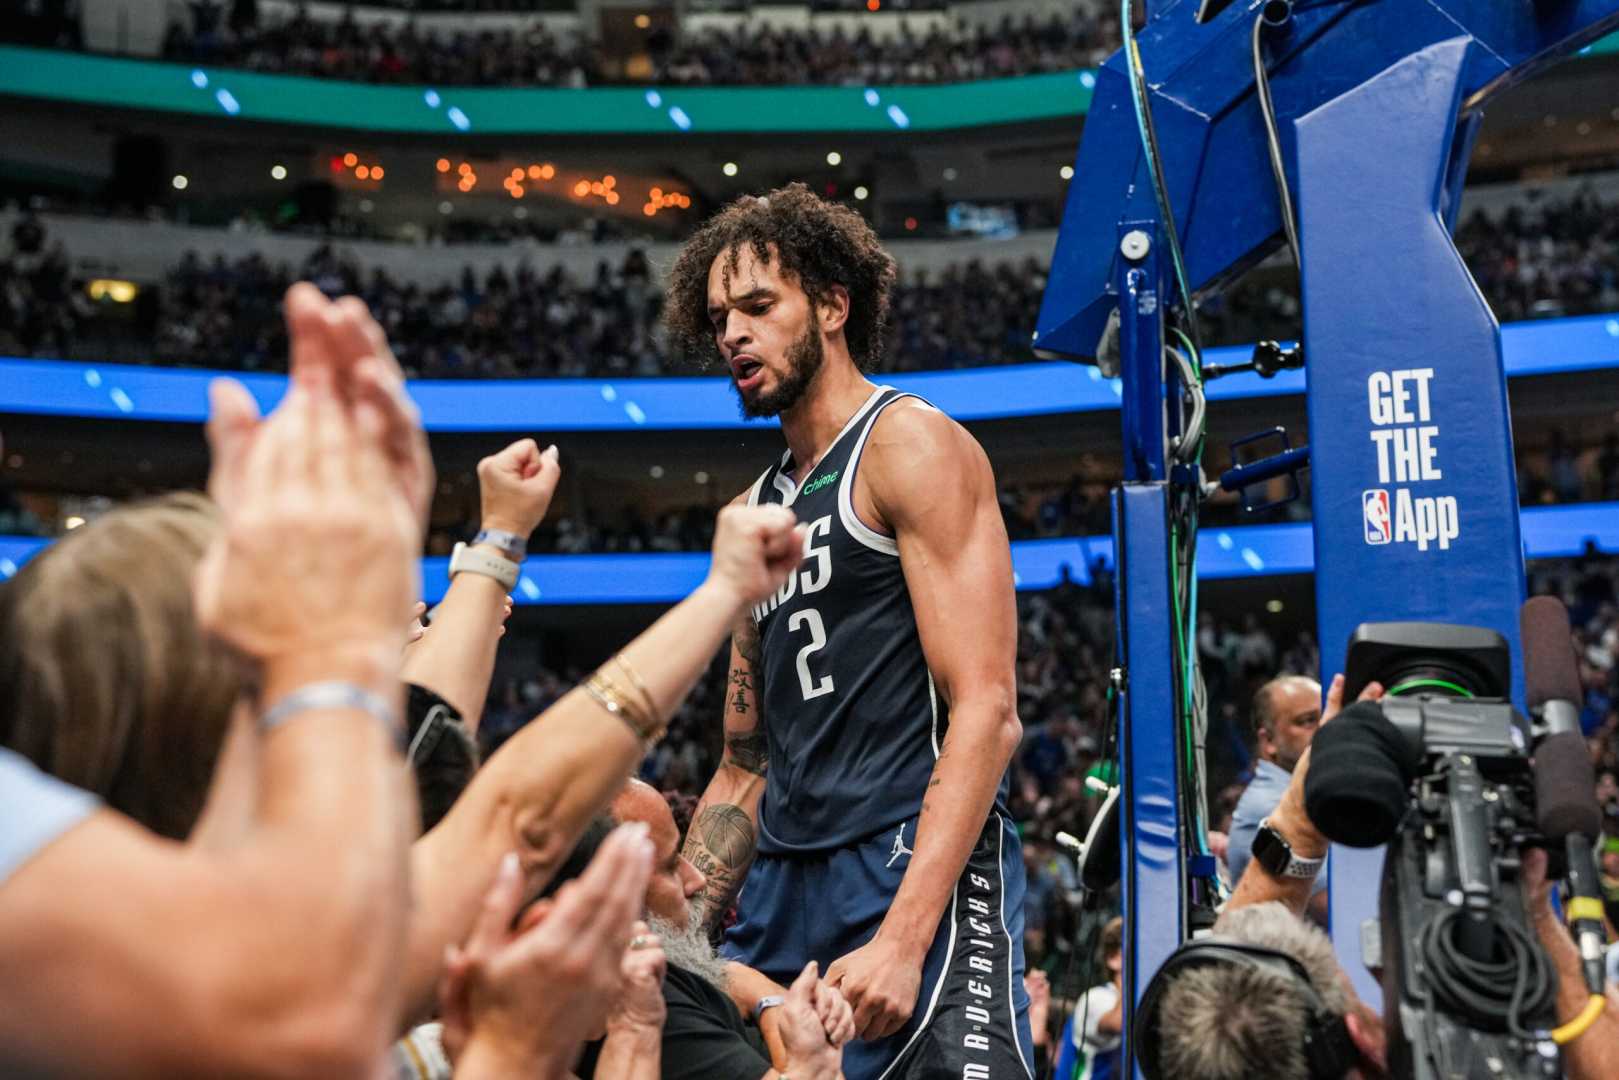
<point>971,1018</point>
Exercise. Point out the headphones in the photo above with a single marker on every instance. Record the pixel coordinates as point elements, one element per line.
<point>1328,1049</point>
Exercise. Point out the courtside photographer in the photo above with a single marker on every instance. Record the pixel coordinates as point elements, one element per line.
<point>1479,975</point>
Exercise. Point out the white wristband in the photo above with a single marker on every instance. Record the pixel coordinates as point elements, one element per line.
<point>471,560</point>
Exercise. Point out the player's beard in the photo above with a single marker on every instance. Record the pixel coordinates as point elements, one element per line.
<point>687,948</point>
<point>804,359</point>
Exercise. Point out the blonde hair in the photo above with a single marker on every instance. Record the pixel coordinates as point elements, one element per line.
<point>107,679</point>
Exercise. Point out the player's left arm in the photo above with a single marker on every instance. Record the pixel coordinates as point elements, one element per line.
<point>931,484</point>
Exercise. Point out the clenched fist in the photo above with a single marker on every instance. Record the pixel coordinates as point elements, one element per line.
<point>516,486</point>
<point>755,548</point>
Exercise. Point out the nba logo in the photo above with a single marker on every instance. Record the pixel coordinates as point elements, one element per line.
<point>1375,507</point>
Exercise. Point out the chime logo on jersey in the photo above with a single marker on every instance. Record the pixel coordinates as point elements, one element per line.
<point>1375,508</point>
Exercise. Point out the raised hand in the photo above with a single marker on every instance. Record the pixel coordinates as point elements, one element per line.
<point>755,548</point>
<point>338,347</point>
<point>317,557</point>
<point>503,1012</point>
<point>516,486</point>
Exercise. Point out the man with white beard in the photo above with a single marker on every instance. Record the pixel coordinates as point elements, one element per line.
<point>705,1035</point>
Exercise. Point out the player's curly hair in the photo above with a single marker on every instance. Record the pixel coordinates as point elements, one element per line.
<point>819,244</point>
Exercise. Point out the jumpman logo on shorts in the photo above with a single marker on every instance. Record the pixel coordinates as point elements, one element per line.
<point>899,848</point>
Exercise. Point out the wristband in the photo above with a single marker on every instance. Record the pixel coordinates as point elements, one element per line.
<point>769,1002</point>
<point>470,560</point>
<point>512,545</point>
<point>334,695</point>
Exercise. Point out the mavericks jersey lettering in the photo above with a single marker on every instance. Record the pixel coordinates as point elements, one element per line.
<point>852,719</point>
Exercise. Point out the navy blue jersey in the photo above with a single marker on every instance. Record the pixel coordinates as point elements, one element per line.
<point>852,719</point>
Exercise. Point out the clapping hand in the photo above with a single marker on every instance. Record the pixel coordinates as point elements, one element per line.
<point>503,1000</point>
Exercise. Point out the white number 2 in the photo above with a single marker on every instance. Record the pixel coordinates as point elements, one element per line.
<point>812,687</point>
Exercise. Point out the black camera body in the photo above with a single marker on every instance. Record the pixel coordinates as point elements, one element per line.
<point>1450,882</point>
<point>1441,772</point>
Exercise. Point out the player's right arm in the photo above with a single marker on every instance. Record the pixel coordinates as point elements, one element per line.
<point>724,828</point>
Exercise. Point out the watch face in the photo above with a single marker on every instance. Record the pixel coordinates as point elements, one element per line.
<point>1271,851</point>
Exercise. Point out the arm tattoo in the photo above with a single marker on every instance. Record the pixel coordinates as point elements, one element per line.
<point>727,831</point>
<point>720,844</point>
<point>746,639</point>
<point>741,680</point>
<point>748,751</point>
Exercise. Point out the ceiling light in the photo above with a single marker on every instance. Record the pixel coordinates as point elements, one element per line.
<point>180,182</point>
<point>351,159</point>
<point>657,472</point>
<point>834,158</point>
<point>366,206</point>
<point>729,168</point>
<point>445,207</point>
<point>278,172</point>
<point>950,174</point>
<point>1273,606</point>
<point>1066,172</point>
<point>643,21</point>
<point>443,164</point>
<point>860,193</point>
<point>702,478</point>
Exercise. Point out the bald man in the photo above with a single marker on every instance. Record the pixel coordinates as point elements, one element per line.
<point>1286,712</point>
<point>715,1028</point>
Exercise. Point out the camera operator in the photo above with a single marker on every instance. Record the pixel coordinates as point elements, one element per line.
<point>1234,1021</point>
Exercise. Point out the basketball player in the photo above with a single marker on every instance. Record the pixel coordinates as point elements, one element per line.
<point>870,714</point>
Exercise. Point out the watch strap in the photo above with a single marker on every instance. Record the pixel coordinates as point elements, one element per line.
<point>768,1002</point>
<point>465,559</point>
<point>1304,869</point>
<point>512,545</point>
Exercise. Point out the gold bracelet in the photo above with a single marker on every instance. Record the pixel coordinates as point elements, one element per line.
<point>635,677</point>
<point>612,699</point>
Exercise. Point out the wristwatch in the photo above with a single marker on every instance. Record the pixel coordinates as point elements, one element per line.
<point>1272,851</point>
<point>470,560</point>
<point>512,545</point>
<point>768,1002</point>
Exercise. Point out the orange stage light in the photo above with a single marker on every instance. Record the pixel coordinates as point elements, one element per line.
<point>363,173</point>
<point>443,164</point>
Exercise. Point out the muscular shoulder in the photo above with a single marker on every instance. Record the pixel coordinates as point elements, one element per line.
<point>916,455</point>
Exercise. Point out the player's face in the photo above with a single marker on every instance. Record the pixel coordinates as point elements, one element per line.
<point>766,332</point>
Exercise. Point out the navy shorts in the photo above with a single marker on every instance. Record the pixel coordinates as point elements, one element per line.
<point>972,1017</point>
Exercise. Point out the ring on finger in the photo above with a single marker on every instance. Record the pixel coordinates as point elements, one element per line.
<point>640,941</point>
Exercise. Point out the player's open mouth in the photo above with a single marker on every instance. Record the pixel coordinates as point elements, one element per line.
<point>746,371</point>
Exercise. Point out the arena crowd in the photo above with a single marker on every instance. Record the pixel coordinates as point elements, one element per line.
<point>755,54</point>
<point>1544,258</point>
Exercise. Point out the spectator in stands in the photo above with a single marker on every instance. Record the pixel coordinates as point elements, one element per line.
<point>723,1021</point>
<point>749,54</point>
<point>1094,1034</point>
<point>1285,713</point>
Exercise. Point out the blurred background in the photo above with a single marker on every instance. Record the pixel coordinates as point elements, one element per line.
<point>505,182</point>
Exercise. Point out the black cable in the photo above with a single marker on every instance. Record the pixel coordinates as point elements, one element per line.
<point>1494,994</point>
<point>1160,186</point>
<point>1273,141</point>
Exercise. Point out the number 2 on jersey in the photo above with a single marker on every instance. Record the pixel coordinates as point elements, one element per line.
<point>811,686</point>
